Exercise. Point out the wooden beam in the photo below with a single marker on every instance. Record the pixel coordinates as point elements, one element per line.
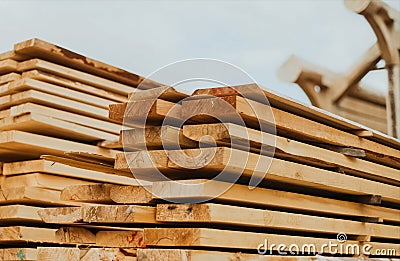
<point>40,180</point>
<point>105,253</point>
<point>36,145</point>
<point>65,116</point>
<point>166,93</point>
<point>49,126</point>
<point>216,215</point>
<point>20,234</point>
<point>54,102</point>
<point>64,254</point>
<point>96,166</point>
<point>58,253</point>
<point>6,78</point>
<point>287,104</point>
<point>71,74</point>
<point>131,194</point>
<point>152,112</point>
<point>25,84</point>
<point>242,195</point>
<point>12,56</point>
<point>240,137</point>
<point>17,253</point>
<point>358,70</point>
<point>20,214</point>
<point>78,86</point>
<point>55,168</point>
<point>131,238</point>
<point>41,49</point>
<point>215,238</point>
<point>32,196</point>
<point>240,163</point>
<point>198,255</point>
<point>8,66</point>
<point>288,125</point>
<point>100,214</point>
<point>93,193</point>
<point>75,235</point>
<point>155,137</point>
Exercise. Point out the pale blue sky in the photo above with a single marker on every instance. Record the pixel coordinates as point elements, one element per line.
<point>142,36</point>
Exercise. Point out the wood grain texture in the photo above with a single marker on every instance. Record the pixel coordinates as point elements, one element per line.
<point>237,136</point>
<point>243,196</point>
<point>256,218</point>
<point>41,49</point>
<point>289,125</point>
<point>240,163</point>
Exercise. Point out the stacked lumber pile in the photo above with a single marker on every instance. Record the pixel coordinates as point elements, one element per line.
<point>329,176</point>
<point>54,131</point>
<point>68,196</point>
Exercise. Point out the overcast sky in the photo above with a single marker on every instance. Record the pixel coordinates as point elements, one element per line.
<point>142,36</point>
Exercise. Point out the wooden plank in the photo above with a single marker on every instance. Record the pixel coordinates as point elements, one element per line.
<point>65,254</point>
<point>74,85</point>
<point>19,213</point>
<point>20,234</point>
<point>90,158</point>
<point>14,254</point>
<point>44,125</point>
<point>107,254</point>
<point>240,163</point>
<point>216,215</point>
<point>30,195</point>
<point>8,66</point>
<point>110,144</point>
<point>131,238</point>
<point>131,194</point>
<point>122,214</point>
<point>92,193</point>
<point>166,93</point>
<point>9,77</point>
<point>107,193</point>
<point>297,108</point>
<point>236,136</point>
<point>96,166</point>
<point>215,238</point>
<point>56,168</point>
<point>155,137</point>
<point>75,75</point>
<point>200,255</point>
<point>25,84</point>
<point>75,235</point>
<point>41,49</point>
<point>153,112</point>
<point>11,55</point>
<point>40,180</point>
<point>62,215</point>
<point>54,102</point>
<point>288,125</point>
<point>76,254</point>
<point>33,196</point>
<point>37,145</point>
<point>58,253</point>
<point>105,214</point>
<point>242,195</point>
<point>65,116</point>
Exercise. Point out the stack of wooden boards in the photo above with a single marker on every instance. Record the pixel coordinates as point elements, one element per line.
<point>328,176</point>
<point>81,202</point>
<point>55,102</point>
